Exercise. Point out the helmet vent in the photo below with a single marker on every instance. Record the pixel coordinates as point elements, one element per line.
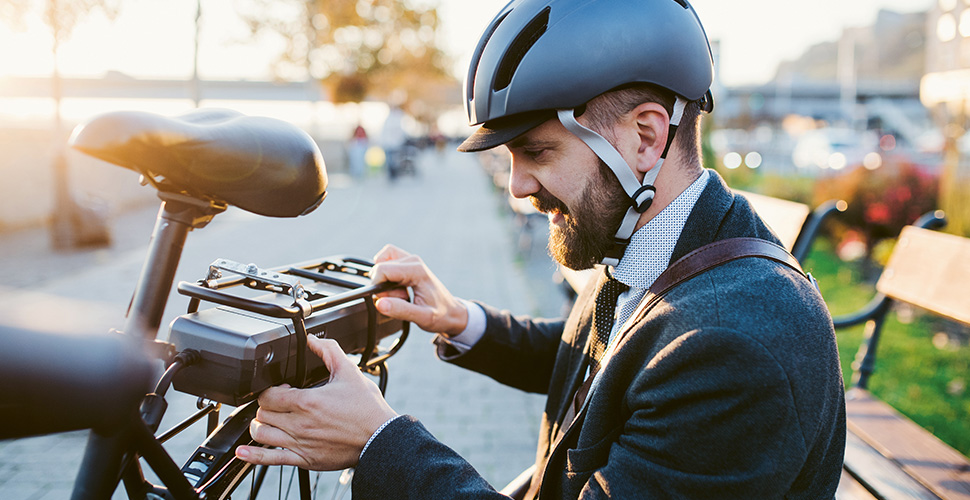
<point>519,47</point>
<point>478,54</point>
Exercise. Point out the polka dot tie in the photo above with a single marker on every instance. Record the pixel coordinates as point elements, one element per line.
<point>603,317</point>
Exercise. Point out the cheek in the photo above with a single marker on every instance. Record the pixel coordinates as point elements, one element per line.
<point>566,175</point>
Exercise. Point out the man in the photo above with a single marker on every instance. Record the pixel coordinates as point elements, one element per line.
<point>728,386</point>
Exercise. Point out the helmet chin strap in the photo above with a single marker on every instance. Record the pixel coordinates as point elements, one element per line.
<point>641,193</point>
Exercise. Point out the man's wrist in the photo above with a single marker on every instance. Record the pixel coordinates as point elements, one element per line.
<point>474,327</point>
<point>458,322</point>
<point>374,435</point>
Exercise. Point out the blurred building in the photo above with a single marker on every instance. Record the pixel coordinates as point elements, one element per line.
<point>946,85</point>
<point>882,62</point>
<point>945,90</point>
<point>832,105</point>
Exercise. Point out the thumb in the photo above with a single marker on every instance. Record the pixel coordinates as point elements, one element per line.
<point>332,355</point>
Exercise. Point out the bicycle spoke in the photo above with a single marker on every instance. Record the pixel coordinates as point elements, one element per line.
<point>304,481</point>
<point>259,475</point>
<point>289,482</point>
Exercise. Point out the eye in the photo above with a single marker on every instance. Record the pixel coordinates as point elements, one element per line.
<point>534,152</point>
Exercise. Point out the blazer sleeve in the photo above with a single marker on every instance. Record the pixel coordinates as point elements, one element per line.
<point>517,351</point>
<point>712,416</point>
<point>406,462</point>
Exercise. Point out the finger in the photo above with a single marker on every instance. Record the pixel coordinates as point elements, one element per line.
<point>269,435</point>
<point>405,271</point>
<point>266,456</point>
<point>378,274</point>
<point>281,399</point>
<point>332,355</point>
<point>389,252</point>
<point>274,418</point>
<point>405,310</point>
<point>400,293</point>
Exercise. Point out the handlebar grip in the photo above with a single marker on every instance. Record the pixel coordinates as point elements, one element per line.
<point>55,382</point>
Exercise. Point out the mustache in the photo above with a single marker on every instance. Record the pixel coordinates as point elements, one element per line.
<point>545,202</point>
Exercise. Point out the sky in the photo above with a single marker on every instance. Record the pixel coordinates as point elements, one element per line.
<point>755,35</point>
<point>153,38</point>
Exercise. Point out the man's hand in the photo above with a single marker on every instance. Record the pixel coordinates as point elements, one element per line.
<point>322,428</point>
<point>434,308</point>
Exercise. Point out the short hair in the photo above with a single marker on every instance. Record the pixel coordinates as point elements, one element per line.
<point>606,109</point>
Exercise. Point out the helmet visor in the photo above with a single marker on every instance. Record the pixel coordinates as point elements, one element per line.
<point>502,130</point>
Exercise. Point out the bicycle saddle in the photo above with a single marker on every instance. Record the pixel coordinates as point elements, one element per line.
<point>262,165</point>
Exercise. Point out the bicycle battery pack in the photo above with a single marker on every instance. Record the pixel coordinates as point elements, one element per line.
<point>251,340</point>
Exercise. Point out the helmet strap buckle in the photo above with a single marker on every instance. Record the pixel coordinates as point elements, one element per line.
<point>643,198</point>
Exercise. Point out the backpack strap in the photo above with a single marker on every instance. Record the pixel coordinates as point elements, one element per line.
<point>712,255</point>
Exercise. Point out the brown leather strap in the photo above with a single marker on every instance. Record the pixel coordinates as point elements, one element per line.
<point>717,253</point>
<point>694,263</point>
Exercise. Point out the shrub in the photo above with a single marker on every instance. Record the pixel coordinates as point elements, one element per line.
<point>880,201</point>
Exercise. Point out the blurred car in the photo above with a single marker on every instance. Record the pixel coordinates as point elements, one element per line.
<point>833,148</point>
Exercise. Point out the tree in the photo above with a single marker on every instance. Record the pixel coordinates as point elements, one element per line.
<point>71,222</point>
<point>60,16</point>
<point>358,48</point>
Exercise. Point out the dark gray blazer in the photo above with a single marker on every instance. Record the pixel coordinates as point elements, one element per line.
<point>729,387</point>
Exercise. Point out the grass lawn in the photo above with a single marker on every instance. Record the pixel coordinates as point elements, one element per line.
<point>926,380</point>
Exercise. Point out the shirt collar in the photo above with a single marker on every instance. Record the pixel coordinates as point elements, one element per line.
<point>650,248</point>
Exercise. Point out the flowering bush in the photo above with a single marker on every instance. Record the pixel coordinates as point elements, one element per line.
<point>880,201</point>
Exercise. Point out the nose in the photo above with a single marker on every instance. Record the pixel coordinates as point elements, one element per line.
<point>521,181</point>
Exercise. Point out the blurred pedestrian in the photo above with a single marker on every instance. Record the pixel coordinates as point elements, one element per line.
<point>357,152</point>
<point>393,139</point>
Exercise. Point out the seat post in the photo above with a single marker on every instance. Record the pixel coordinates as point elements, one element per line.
<point>177,216</point>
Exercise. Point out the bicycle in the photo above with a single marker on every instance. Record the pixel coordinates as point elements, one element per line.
<point>255,337</point>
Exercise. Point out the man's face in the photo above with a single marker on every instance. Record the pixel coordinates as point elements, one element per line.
<point>566,181</point>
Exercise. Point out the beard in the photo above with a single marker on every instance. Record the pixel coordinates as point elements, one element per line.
<point>586,234</point>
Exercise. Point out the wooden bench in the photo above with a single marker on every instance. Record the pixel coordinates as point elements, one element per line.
<point>887,455</point>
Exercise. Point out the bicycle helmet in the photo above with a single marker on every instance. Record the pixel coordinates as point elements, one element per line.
<point>543,59</point>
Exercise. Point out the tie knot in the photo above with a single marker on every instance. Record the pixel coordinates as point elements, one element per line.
<point>612,288</point>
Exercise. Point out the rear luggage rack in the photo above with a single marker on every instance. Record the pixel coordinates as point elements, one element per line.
<point>256,335</point>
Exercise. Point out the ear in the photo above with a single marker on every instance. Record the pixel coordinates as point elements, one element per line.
<point>651,122</point>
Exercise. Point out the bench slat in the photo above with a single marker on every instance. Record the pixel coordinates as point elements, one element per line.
<point>851,489</point>
<point>784,217</point>
<point>931,270</point>
<point>907,446</point>
<point>872,471</point>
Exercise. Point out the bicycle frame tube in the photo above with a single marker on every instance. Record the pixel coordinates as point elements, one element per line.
<point>100,468</point>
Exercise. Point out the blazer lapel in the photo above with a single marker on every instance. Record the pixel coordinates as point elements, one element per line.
<point>578,361</point>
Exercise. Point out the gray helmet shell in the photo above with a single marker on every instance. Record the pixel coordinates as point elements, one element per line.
<point>556,54</point>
